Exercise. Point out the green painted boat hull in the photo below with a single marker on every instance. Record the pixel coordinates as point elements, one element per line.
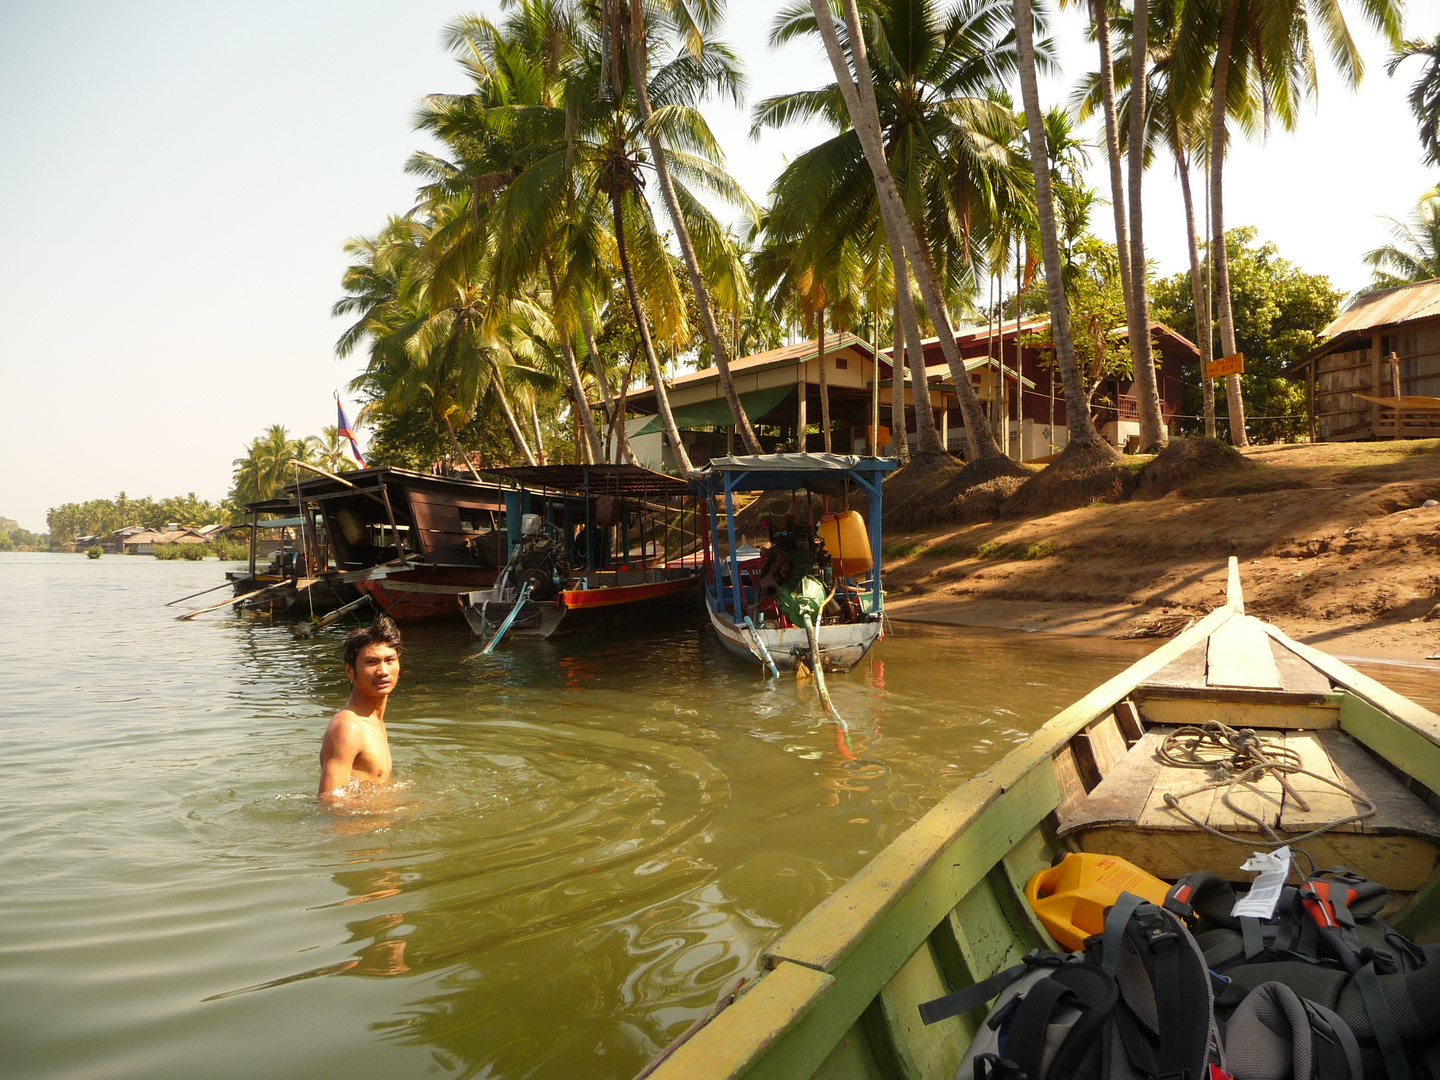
<point>943,905</point>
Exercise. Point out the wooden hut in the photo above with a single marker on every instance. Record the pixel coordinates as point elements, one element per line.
<point>1028,392</point>
<point>1384,346</point>
<point>780,390</point>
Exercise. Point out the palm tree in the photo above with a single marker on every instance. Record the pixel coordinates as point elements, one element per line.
<point>430,343</point>
<point>583,161</point>
<point>1262,50</point>
<point>331,452</point>
<point>1179,125</point>
<point>513,71</point>
<point>857,89</point>
<point>1082,432</point>
<point>1425,94</point>
<point>1414,254</point>
<point>1147,390</point>
<point>265,468</point>
<point>692,22</point>
<point>1100,25</point>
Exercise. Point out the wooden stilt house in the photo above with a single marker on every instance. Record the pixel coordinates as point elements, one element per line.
<point>1378,374</point>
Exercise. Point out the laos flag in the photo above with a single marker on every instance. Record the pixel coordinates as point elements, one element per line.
<point>345,431</point>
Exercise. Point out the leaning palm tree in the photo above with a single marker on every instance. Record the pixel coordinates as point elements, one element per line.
<point>1082,431</point>
<point>1414,251</point>
<point>924,105</point>
<point>1260,50</point>
<point>856,82</point>
<point>692,23</point>
<point>587,160</point>
<point>1425,93</point>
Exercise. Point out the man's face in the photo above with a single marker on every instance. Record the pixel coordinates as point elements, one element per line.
<point>376,670</point>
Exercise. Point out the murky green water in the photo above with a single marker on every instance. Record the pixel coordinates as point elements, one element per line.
<point>589,841</point>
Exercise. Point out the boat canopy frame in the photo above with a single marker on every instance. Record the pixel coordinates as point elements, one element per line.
<point>824,474</point>
<point>583,483</point>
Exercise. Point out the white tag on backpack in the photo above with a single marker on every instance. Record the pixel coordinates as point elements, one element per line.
<point>1264,894</point>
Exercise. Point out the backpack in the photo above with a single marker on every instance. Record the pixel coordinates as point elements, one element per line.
<point>1135,1005</point>
<point>1356,977</point>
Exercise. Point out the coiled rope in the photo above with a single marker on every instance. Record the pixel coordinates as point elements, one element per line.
<point>1238,756</point>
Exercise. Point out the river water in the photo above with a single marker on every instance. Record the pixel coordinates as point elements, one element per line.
<point>588,840</point>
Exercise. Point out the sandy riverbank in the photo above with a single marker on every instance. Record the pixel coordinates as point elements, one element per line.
<point>1334,543</point>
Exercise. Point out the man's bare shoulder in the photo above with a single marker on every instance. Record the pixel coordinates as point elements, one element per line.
<point>347,727</point>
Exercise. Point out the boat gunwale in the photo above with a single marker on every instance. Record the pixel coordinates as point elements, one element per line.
<point>794,1038</point>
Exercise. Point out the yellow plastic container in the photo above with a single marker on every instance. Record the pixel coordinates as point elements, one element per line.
<point>1070,898</point>
<point>846,541</point>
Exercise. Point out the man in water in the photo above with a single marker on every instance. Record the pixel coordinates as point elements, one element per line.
<point>355,746</point>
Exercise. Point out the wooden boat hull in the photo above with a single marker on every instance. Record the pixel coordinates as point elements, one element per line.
<point>841,646</point>
<point>943,906</point>
<point>320,598</point>
<point>425,592</point>
<point>575,610</point>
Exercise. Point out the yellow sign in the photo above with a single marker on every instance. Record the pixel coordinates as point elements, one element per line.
<point>1234,364</point>
<point>883,438</point>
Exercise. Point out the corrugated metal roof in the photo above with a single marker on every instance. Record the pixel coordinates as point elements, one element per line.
<point>786,354</point>
<point>1402,304</point>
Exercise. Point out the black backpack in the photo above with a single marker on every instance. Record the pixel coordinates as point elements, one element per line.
<point>1135,1005</point>
<point>1327,943</point>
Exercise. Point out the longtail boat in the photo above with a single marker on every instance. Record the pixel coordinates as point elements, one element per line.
<point>822,571</point>
<point>943,906</point>
<point>590,546</point>
<point>413,542</point>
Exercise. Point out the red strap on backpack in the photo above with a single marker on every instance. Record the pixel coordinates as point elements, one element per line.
<point>1319,900</point>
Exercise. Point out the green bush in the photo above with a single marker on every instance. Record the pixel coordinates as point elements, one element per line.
<point>224,548</point>
<point>166,551</point>
<point>94,551</point>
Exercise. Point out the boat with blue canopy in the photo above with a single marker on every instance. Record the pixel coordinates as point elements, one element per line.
<point>808,592</point>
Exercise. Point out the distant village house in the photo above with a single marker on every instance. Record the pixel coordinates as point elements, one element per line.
<point>780,391</point>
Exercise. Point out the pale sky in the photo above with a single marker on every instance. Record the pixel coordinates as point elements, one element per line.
<point>177,180</point>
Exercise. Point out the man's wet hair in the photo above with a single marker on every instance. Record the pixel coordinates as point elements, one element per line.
<point>382,631</point>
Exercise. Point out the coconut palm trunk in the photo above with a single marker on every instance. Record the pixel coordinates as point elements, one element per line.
<point>1153,435</point>
<point>1197,289</point>
<point>657,380</point>
<point>517,435</point>
<point>459,451</point>
<point>927,437</point>
<point>638,66</point>
<point>824,387</point>
<point>859,95</point>
<point>577,385</point>
<point>899,437</point>
<point>1221,260</point>
<point>539,437</point>
<point>1077,412</point>
<point>617,424</point>
<point>1100,15</point>
<point>587,328</point>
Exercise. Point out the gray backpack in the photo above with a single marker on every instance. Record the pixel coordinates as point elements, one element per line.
<point>1360,982</point>
<point>1136,1005</point>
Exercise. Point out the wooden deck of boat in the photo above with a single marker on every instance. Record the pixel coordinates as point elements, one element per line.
<point>1242,676</point>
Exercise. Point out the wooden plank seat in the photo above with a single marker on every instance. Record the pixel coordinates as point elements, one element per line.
<point>1125,814</point>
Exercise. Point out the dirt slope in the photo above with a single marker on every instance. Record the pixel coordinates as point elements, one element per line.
<point>1333,541</point>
